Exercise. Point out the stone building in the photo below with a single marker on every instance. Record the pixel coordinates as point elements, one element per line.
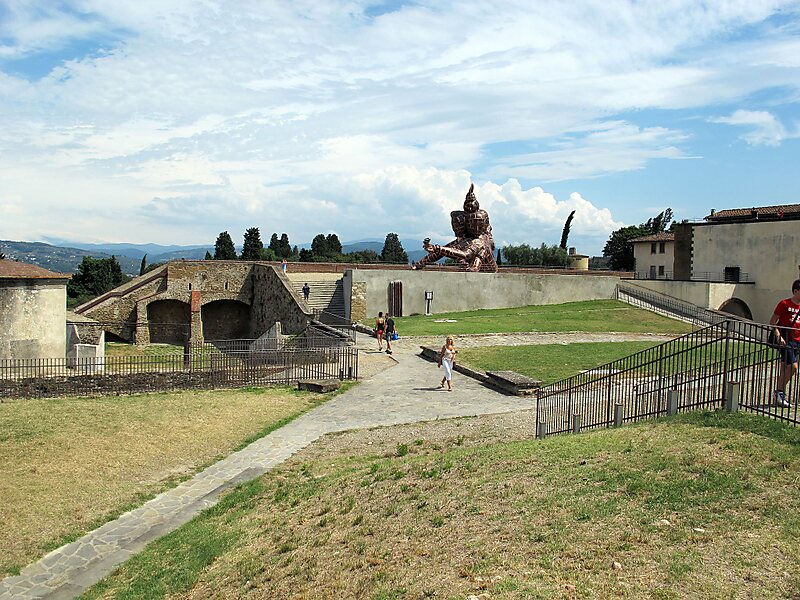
<point>199,300</point>
<point>33,305</point>
<point>740,260</point>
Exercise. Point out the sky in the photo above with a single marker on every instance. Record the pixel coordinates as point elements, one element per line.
<point>169,122</point>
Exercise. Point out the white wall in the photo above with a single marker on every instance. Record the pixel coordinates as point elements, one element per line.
<point>470,291</point>
<point>644,257</point>
<point>33,316</point>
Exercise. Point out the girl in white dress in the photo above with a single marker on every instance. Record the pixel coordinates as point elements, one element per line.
<point>447,359</point>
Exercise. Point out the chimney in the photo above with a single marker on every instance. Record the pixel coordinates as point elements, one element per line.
<point>572,251</point>
<point>713,210</point>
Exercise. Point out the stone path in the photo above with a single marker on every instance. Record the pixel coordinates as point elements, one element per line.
<point>403,389</point>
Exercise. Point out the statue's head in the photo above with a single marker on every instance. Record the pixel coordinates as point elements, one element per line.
<point>458,222</point>
<point>471,202</point>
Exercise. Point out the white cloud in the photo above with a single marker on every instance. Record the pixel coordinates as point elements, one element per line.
<point>765,128</point>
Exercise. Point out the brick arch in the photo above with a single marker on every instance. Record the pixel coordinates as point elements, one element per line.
<point>737,307</point>
<point>225,319</point>
<point>168,321</point>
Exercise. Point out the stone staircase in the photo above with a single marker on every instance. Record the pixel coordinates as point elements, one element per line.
<point>326,294</point>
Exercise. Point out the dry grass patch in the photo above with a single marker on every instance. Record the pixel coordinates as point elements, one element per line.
<point>705,505</point>
<point>71,463</point>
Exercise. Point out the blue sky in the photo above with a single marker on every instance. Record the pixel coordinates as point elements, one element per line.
<point>169,122</point>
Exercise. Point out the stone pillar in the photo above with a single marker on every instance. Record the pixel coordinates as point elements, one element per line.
<point>142,334</point>
<point>358,301</point>
<point>196,327</point>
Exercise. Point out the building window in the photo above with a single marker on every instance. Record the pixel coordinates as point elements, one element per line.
<point>662,247</point>
<point>732,274</point>
<point>653,248</point>
<point>661,270</point>
<point>226,285</point>
<point>190,287</point>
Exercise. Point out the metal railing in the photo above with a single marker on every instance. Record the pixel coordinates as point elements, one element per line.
<point>221,364</point>
<point>668,305</point>
<point>337,322</point>
<point>694,371</point>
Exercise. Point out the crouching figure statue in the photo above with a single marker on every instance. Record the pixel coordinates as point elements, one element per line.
<point>473,247</point>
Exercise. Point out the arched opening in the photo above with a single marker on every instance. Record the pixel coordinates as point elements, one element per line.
<point>169,321</point>
<point>225,320</point>
<point>737,307</point>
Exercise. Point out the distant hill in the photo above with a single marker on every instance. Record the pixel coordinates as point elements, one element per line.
<point>65,259</point>
<point>58,259</point>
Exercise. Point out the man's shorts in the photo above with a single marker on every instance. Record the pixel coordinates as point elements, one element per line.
<point>790,352</point>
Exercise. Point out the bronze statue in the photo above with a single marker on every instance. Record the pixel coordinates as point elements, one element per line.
<point>473,247</point>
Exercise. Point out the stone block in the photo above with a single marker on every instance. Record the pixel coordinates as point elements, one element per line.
<point>513,383</point>
<point>321,386</point>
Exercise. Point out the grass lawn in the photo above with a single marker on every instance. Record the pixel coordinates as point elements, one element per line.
<point>548,363</point>
<point>70,464</point>
<point>593,316</point>
<point>705,505</point>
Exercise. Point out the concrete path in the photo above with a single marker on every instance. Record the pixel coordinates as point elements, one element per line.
<point>404,389</point>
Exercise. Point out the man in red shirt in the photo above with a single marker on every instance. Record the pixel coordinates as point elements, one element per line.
<point>786,320</point>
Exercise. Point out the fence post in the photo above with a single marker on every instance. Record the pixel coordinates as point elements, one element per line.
<point>732,396</point>
<point>619,410</point>
<point>672,402</point>
<point>725,365</point>
<point>576,423</point>
<point>541,430</point>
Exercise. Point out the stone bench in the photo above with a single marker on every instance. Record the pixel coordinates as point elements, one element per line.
<point>321,386</point>
<point>514,383</point>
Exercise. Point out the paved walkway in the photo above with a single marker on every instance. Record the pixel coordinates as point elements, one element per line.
<point>403,390</point>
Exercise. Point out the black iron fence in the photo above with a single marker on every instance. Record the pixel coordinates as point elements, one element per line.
<point>669,305</point>
<point>730,362</point>
<point>222,364</point>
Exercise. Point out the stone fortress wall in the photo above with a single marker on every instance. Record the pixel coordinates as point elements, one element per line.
<point>196,300</point>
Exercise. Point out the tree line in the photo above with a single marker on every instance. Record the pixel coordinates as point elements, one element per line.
<point>324,248</point>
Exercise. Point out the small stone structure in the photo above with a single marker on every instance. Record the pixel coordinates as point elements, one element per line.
<point>33,305</point>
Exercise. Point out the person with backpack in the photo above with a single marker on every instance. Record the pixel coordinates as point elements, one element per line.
<point>786,321</point>
<point>391,333</point>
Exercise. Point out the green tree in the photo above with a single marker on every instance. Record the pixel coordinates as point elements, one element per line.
<point>208,256</point>
<point>319,245</point>
<point>565,231</point>
<point>268,254</point>
<point>499,260</point>
<point>251,250</point>
<point>143,266</point>
<point>274,243</point>
<point>362,257</point>
<point>334,245</point>
<point>543,256</point>
<point>619,249</point>
<point>305,255</point>
<point>224,248</point>
<point>285,248</point>
<point>393,251</point>
<point>660,222</point>
<point>94,276</point>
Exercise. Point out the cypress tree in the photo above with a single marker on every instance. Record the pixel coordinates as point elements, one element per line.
<point>251,250</point>
<point>393,251</point>
<point>224,248</point>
